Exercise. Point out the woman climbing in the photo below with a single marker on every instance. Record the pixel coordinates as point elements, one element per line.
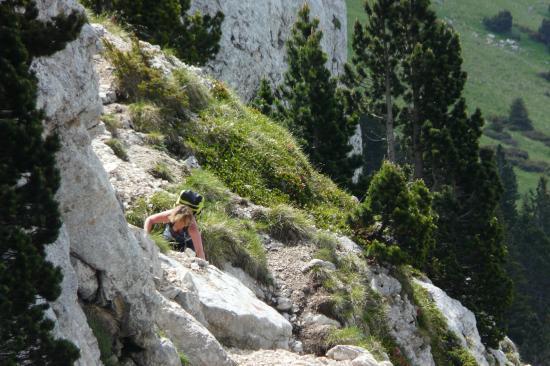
<point>181,228</point>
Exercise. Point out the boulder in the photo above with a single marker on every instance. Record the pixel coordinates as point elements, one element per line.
<point>311,319</point>
<point>346,352</point>
<point>365,360</point>
<point>87,279</point>
<point>190,337</point>
<point>231,311</point>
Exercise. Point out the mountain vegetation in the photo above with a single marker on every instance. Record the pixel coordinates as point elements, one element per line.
<point>194,37</point>
<point>29,217</point>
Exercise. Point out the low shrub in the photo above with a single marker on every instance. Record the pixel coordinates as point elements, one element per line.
<point>219,91</point>
<point>500,23</point>
<point>101,333</point>
<point>326,245</point>
<point>161,171</point>
<point>156,139</point>
<point>118,149</point>
<point>184,359</point>
<point>286,224</point>
<point>235,241</point>
<point>198,95</point>
<point>112,124</point>
<point>538,136</point>
<point>545,75</point>
<point>502,136</point>
<point>146,117</point>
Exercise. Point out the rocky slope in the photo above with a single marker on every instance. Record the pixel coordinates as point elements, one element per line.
<point>151,307</point>
<point>254,35</point>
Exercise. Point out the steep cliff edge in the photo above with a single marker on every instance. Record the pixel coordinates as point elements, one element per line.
<point>254,36</point>
<point>148,307</point>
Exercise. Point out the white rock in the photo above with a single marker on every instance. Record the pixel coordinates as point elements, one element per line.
<point>365,360</point>
<point>70,320</point>
<point>198,344</point>
<point>163,353</point>
<point>347,245</point>
<point>318,263</point>
<point>284,304</point>
<point>87,279</point>
<point>232,311</point>
<point>460,320</point>
<point>319,319</point>
<point>255,32</point>
<point>346,352</point>
<point>385,285</point>
<point>245,279</point>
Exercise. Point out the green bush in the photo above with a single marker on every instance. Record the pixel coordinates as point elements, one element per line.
<point>118,149</point>
<point>286,224</point>
<point>183,359</point>
<point>194,37</point>
<point>138,81</point>
<point>399,216</point>
<point>111,124</point>
<point>235,241</point>
<point>500,23</point>
<point>146,117</point>
<point>161,171</point>
<point>156,139</point>
<point>326,245</point>
<point>220,91</point>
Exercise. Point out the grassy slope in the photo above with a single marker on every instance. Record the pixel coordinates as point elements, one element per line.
<point>498,75</point>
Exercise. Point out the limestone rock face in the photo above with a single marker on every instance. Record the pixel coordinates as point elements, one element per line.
<point>401,317</point>
<point>69,318</point>
<point>231,311</point>
<point>254,36</point>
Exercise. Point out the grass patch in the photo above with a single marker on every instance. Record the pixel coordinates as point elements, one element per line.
<point>163,244</point>
<point>260,160</point>
<point>286,224</point>
<point>161,171</point>
<point>216,195</point>
<point>146,117</point>
<point>183,359</point>
<point>118,149</point>
<point>326,245</point>
<point>101,333</point>
<point>112,124</point>
<point>144,207</point>
<point>198,95</point>
<point>235,241</point>
<point>108,21</point>
<point>155,139</point>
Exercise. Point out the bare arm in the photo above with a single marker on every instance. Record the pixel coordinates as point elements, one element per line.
<point>160,218</point>
<point>195,235</point>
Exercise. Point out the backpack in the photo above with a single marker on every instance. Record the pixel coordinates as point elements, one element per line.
<point>191,199</point>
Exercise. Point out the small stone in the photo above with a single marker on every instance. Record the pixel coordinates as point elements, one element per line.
<point>195,266</point>
<point>346,352</point>
<point>365,360</point>
<point>284,304</point>
<point>297,346</point>
<point>318,263</point>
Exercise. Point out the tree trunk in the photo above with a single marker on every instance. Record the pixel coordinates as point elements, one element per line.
<point>390,139</point>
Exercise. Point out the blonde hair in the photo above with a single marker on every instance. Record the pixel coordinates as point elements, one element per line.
<point>181,213</point>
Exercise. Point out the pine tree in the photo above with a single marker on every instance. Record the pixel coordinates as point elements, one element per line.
<point>194,37</point>
<point>312,106</point>
<point>402,214</point>
<point>264,99</point>
<point>519,117</point>
<point>542,206</point>
<point>509,183</point>
<point>29,219</point>
<point>500,23</point>
<point>373,72</point>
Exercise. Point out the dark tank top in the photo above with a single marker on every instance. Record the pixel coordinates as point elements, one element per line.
<point>181,238</point>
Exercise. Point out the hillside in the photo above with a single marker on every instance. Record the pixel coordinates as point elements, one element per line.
<point>498,73</point>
